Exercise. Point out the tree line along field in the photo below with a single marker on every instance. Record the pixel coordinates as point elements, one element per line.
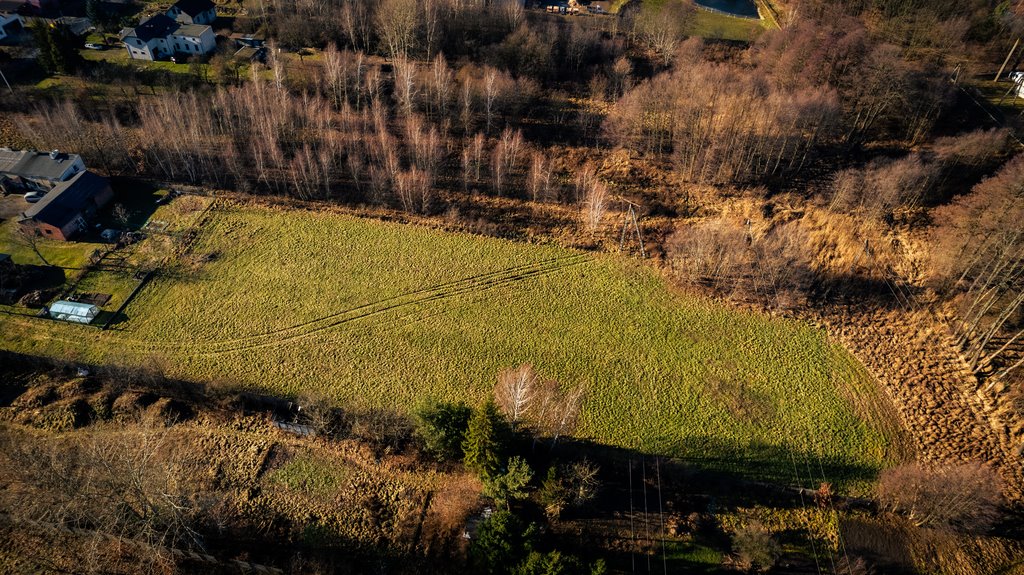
<point>381,314</point>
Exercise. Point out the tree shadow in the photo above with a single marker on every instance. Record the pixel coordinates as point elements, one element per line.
<point>852,288</point>
<point>108,319</point>
<point>640,493</point>
<point>643,496</point>
<point>723,471</point>
<point>21,279</point>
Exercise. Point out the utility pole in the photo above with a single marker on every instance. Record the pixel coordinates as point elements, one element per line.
<point>9,89</point>
<point>1015,88</point>
<point>1007,60</point>
<point>629,217</point>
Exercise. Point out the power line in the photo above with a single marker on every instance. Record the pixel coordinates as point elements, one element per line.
<point>803,506</point>
<point>661,514</point>
<point>647,520</point>
<point>807,464</point>
<point>630,217</point>
<point>839,532</point>
<point>632,532</point>
<point>989,113</point>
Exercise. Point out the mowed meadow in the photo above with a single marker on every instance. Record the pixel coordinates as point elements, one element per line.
<point>383,314</point>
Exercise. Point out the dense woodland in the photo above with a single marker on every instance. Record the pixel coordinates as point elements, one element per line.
<point>844,157</point>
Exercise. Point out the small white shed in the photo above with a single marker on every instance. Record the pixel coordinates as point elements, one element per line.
<point>74,311</point>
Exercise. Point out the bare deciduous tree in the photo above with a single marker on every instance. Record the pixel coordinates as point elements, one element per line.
<point>514,392</point>
<point>965,497</point>
<point>539,177</point>
<point>755,548</point>
<point>537,403</point>
<point>979,252</point>
<point>396,22</point>
<point>662,26</point>
<point>413,188</point>
<point>405,84</point>
<point>511,13</point>
<point>440,88</point>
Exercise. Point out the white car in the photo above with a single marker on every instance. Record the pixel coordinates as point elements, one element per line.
<point>94,46</point>
<point>33,197</point>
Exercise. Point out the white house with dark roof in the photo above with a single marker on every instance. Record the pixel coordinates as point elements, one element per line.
<point>161,37</point>
<point>193,11</point>
<point>39,171</point>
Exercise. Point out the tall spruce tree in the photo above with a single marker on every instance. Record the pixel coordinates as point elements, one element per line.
<point>482,445</point>
<point>58,48</point>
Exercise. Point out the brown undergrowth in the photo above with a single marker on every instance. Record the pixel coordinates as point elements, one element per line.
<point>942,404</point>
<point>179,461</point>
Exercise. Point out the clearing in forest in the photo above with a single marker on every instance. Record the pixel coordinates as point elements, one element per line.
<point>384,314</point>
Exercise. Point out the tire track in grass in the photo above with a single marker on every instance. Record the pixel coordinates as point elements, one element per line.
<point>426,295</point>
<point>376,308</point>
<point>454,284</point>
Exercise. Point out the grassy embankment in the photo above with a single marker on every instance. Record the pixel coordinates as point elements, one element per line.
<point>707,24</point>
<point>384,314</point>
<point>713,25</point>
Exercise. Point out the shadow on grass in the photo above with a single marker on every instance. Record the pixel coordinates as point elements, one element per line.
<point>719,467</point>
<point>108,319</point>
<point>638,494</point>
<point>26,278</point>
<point>643,495</point>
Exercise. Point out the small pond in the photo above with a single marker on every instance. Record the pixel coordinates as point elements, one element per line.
<point>743,8</point>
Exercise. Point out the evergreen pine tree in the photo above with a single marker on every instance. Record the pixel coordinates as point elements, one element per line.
<point>58,48</point>
<point>482,444</point>
<point>94,11</point>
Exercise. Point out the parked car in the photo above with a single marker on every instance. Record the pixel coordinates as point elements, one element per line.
<point>110,235</point>
<point>33,197</point>
<point>95,46</point>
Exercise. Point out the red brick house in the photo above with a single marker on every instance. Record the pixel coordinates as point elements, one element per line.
<point>66,209</point>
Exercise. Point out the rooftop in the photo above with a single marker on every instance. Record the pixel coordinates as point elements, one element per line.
<point>191,30</point>
<point>158,26</point>
<point>30,164</point>
<point>73,311</point>
<point>67,199</point>
<point>249,53</point>
<point>246,36</point>
<point>194,7</point>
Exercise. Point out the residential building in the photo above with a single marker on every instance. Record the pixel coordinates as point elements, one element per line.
<point>10,25</point>
<point>250,54</point>
<point>67,209</point>
<point>161,37</point>
<point>246,40</point>
<point>193,11</point>
<point>76,25</point>
<point>36,171</point>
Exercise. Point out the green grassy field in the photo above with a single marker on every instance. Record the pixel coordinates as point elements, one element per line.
<point>715,25</point>
<point>385,314</point>
<point>1000,95</point>
<point>68,255</point>
<point>707,24</point>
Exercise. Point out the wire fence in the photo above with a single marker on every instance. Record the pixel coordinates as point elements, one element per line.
<point>724,13</point>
